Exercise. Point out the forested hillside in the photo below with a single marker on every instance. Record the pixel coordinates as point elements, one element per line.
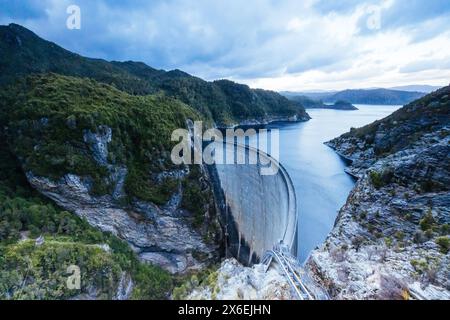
<point>22,52</point>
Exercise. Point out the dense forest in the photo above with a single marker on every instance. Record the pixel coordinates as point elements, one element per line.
<point>22,52</point>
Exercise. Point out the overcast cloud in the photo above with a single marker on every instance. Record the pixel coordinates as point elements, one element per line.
<point>279,45</point>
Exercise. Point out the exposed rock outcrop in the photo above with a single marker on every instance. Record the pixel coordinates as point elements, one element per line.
<point>391,238</point>
<point>122,292</point>
<point>159,234</point>
<point>236,282</point>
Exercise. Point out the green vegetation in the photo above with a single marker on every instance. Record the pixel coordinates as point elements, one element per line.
<point>308,102</point>
<point>419,265</point>
<point>28,271</point>
<point>151,282</point>
<point>24,53</point>
<point>194,198</point>
<point>444,244</point>
<point>40,272</point>
<point>224,102</point>
<point>206,279</point>
<point>50,101</point>
<point>381,178</point>
<point>48,116</point>
<point>344,105</point>
<point>399,235</point>
<point>363,215</point>
<point>427,222</point>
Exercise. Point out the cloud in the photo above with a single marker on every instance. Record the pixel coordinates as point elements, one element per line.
<point>16,9</point>
<point>427,64</point>
<point>299,43</point>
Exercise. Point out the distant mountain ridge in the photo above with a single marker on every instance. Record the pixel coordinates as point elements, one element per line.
<point>22,53</point>
<point>309,103</point>
<point>417,88</point>
<point>377,96</point>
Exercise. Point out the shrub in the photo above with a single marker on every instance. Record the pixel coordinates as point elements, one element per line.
<point>44,270</point>
<point>419,265</point>
<point>419,237</point>
<point>357,242</point>
<point>381,179</point>
<point>392,288</point>
<point>445,229</point>
<point>376,179</point>
<point>427,222</point>
<point>151,282</point>
<point>399,235</point>
<point>444,244</point>
<point>388,242</point>
<point>363,215</point>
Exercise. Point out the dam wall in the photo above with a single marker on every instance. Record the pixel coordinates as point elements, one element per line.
<point>258,210</point>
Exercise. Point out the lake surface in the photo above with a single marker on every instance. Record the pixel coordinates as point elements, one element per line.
<point>321,185</point>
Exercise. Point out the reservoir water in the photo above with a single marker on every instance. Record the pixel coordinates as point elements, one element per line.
<point>317,172</point>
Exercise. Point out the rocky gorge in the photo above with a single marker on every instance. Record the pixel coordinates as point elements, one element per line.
<point>391,238</point>
<point>94,141</point>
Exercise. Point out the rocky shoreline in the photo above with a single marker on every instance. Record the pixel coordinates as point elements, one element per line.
<point>391,238</point>
<point>267,121</point>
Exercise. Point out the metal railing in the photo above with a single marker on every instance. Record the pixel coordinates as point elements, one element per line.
<point>290,267</point>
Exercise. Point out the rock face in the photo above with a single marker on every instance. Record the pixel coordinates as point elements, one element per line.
<point>236,282</point>
<point>161,237</point>
<point>391,238</point>
<point>123,291</point>
<point>159,234</point>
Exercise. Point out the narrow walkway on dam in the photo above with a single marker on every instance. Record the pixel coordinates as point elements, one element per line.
<point>300,283</point>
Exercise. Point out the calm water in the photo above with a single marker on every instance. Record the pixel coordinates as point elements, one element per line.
<point>317,171</point>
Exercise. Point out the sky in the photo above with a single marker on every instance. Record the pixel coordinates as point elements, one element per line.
<point>283,45</point>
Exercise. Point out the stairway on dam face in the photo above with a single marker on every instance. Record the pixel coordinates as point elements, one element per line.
<point>258,210</point>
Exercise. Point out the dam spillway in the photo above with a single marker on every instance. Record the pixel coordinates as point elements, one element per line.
<point>258,210</point>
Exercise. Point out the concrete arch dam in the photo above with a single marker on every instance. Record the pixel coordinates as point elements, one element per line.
<point>258,210</point>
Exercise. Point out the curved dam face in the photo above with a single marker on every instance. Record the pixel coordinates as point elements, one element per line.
<point>259,210</point>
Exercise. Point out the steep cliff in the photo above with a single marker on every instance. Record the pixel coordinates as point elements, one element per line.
<point>105,156</point>
<point>391,238</point>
